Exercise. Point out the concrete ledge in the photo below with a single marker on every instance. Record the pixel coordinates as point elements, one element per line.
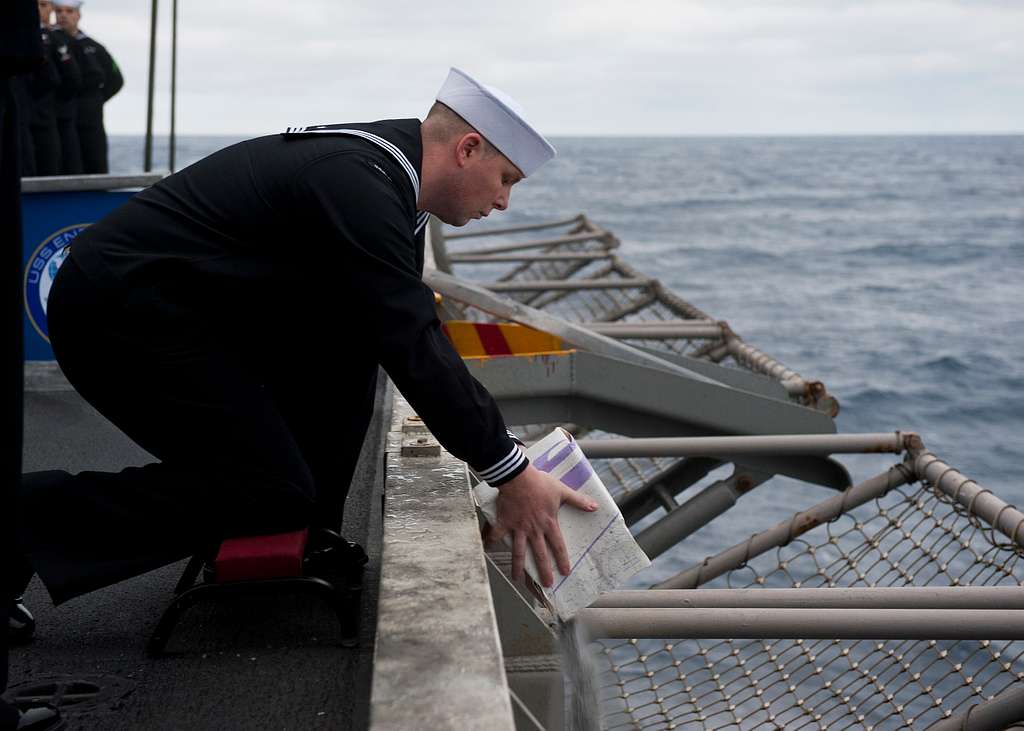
<point>438,662</point>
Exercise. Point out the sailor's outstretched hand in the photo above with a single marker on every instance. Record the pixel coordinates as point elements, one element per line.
<point>528,511</point>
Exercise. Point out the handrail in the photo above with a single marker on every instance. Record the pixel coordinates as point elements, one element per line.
<point>579,218</point>
<point>542,243</point>
<point>79,183</point>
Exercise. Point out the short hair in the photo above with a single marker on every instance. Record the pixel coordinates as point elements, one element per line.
<point>443,124</point>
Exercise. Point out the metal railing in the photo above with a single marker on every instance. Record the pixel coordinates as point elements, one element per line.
<point>577,276</point>
<point>895,602</point>
<point>906,610</point>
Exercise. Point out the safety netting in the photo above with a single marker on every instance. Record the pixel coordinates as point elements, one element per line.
<point>913,536</point>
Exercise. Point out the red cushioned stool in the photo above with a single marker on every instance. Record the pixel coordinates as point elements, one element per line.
<point>271,563</point>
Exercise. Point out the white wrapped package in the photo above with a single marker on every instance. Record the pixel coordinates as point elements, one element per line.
<point>602,552</point>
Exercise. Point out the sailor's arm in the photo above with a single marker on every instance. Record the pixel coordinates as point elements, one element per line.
<point>112,78</point>
<point>360,210</point>
<point>366,218</point>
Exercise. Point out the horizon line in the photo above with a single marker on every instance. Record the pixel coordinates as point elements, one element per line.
<point>653,135</point>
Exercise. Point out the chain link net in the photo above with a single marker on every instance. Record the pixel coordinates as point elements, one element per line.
<point>913,536</point>
<point>628,304</point>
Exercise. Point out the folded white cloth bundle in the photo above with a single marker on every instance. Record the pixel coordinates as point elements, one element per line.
<point>602,552</point>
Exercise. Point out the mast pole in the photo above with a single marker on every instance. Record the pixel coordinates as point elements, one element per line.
<point>148,155</point>
<point>174,81</point>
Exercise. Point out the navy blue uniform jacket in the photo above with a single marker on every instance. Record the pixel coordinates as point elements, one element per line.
<point>311,241</point>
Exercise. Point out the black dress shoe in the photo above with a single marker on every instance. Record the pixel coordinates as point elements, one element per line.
<point>332,558</point>
<point>40,718</point>
<point>29,717</point>
<point>20,623</point>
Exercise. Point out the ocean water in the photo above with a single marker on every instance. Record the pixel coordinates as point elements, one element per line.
<point>891,268</point>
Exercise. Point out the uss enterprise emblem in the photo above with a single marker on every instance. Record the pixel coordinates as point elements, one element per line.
<point>42,268</point>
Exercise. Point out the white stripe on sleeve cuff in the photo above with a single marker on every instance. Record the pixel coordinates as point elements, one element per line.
<point>512,462</point>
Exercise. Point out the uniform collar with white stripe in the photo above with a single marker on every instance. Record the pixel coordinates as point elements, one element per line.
<point>388,146</point>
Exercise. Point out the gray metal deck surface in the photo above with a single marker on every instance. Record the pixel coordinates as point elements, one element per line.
<point>271,663</point>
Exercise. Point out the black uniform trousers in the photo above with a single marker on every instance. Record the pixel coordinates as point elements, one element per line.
<point>92,137</point>
<point>70,148</point>
<point>46,145</point>
<point>247,444</point>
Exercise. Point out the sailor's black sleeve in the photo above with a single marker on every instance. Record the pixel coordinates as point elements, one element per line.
<point>112,78</point>
<point>358,207</point>
<point>92,72</point>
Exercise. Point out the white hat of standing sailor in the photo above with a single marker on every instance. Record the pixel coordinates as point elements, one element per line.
<point>76,4</point>
<point>497,117</point>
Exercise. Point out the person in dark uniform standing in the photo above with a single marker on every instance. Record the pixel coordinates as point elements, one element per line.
<point>74,67</point>
<point>101,79</point>
<point>200,318</point>
<point>59,77</point>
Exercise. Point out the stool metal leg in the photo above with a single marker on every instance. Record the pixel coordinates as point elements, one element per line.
<point>344,602</point>
<point>170,617</point>
<point>189,575</point>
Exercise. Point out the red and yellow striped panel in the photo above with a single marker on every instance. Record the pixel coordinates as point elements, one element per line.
<point>484,339</point>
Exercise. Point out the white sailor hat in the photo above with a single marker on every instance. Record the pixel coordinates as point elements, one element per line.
<point>76,4</point>
<point>497,117</point>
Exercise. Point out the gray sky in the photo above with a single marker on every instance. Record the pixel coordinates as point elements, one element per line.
<point>591,67</point>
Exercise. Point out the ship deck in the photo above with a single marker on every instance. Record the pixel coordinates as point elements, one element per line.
<point>890,602</point>
<point>267,662</point>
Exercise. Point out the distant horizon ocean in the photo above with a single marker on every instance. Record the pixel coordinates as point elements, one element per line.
<point>889,267</point>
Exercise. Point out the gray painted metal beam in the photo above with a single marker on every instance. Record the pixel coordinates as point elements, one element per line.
<point>673,480</point>
<point>735,377</point>
<point>772,446</point>
<point>578,219</point>
<point>623,398</point>
<point>993,714</point>
<point>542,243</point>
<point>602,392</point>
<point>823,471</point>
<point>811,624</point>
<point>546,285</point>
<point>901,597</point>
<point>473,258</point>
<point>659,331</point>
<point>697,512</point>
<point>1007,519</point>
<point>78,183</point>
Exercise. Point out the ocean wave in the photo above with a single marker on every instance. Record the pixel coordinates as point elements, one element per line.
<point>743,254</point>
<point>927,251</point>
<point>870,395</point>
<point>946,364</point>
